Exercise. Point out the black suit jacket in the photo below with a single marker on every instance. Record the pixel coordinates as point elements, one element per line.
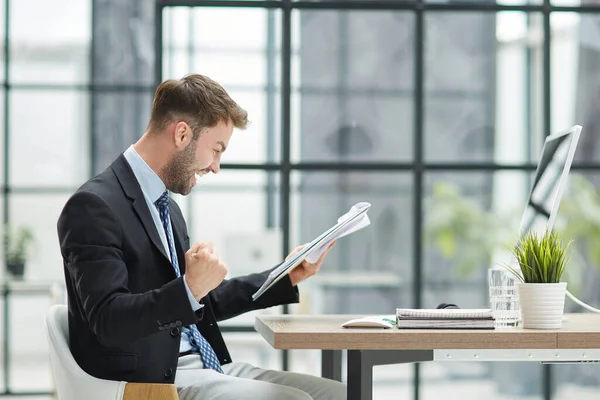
<point>126,306</point>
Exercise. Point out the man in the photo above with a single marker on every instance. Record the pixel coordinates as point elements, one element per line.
<point>143,303</point>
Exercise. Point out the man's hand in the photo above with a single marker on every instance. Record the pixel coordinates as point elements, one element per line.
<point>306,269</point>
<point>204,271</point>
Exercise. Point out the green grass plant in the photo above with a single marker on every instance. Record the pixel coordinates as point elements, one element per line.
<point>541,258</point>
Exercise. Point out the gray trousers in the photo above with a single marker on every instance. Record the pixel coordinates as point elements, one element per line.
<point>243,381</point>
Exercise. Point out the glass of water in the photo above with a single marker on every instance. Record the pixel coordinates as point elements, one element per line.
<point>504,300</point>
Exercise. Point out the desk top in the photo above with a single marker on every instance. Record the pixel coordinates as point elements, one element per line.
<point>323,332</point>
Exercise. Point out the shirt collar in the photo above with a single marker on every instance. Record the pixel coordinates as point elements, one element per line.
<point>150,183</point>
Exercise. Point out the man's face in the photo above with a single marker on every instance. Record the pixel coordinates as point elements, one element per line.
<point>199,156</point>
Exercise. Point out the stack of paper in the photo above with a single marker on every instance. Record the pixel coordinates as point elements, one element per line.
<point>479,318</point>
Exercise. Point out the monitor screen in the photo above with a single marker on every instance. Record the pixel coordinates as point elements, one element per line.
<point>549,181</point>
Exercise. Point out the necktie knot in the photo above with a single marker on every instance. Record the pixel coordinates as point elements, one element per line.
<point>162,203</point>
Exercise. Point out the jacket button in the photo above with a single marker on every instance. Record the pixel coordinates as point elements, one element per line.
<point>175,331</point>
<point>169,373</point>
<point>178,323</point>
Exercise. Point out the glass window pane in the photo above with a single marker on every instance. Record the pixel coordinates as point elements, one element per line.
<point>575,60</point>
<point>124,51</point>
<point>468,221</point>
<point>39,212</point>
<point>238,28</point>
<point>49,138</point>
<point>370,270</point>
<point>50,41</point>
<point>361,127</point>
<point>355,88</point>
<point>120,119</point>
<point>574,3</point>
<point>483,87</point>
<point>239,212</point>
<point>235,69</point>
<point>176,27</point>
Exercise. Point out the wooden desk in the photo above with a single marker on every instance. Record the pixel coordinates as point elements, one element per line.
<point>577,342</point>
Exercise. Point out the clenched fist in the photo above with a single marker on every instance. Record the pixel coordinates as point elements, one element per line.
<point>204,271</point>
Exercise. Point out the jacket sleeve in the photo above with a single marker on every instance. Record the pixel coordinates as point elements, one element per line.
<point>91,242</point>
<point>234,296</point>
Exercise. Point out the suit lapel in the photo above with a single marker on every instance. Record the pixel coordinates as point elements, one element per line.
<point>133,191</point>
<point>141,208</point>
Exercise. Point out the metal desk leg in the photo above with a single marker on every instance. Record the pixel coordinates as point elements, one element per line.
<point>360,376</point>
<point>361,363</point>
<point>331,364</point>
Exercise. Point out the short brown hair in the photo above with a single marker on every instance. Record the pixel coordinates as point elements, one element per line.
<point>197,100</point>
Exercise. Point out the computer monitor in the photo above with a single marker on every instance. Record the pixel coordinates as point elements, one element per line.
<point>549,181</point>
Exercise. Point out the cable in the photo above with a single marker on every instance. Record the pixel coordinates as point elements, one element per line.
<point>582,304</point>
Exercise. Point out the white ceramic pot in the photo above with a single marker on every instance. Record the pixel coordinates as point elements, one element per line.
<point>542,304</point>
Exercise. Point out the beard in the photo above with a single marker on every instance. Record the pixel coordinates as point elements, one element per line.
<point>179,171</point>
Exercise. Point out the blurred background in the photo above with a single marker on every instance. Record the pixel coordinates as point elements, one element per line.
<point>434,112</point>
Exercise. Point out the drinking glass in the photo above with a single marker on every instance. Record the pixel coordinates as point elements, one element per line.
<point>504,300</point>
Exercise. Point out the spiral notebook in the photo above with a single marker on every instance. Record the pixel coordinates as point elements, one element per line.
<point>448,313</point>
<point>448,318</point>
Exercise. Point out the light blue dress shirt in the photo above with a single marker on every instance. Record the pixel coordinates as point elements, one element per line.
<point>152,188</point>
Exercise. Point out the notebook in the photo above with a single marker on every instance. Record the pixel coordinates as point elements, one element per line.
<point>445,318</point>
<point>454,323</point>
<point>447,313</point>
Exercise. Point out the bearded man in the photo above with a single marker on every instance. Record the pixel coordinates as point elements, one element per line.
<point>143,303</point>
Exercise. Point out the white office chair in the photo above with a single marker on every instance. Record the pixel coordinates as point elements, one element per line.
<point>73,383</point>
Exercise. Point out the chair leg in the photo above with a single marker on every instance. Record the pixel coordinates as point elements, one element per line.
<point>150,391</point>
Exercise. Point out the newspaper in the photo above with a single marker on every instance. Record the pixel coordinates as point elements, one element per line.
<point>354,220</point>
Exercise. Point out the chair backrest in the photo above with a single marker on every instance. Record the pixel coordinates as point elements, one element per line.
<point>72,382</point>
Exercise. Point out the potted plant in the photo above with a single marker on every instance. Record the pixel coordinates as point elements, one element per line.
<point>17,245</point>
<point>541,261</point>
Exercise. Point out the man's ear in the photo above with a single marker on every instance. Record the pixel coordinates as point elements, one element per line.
<point>182,134</point>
